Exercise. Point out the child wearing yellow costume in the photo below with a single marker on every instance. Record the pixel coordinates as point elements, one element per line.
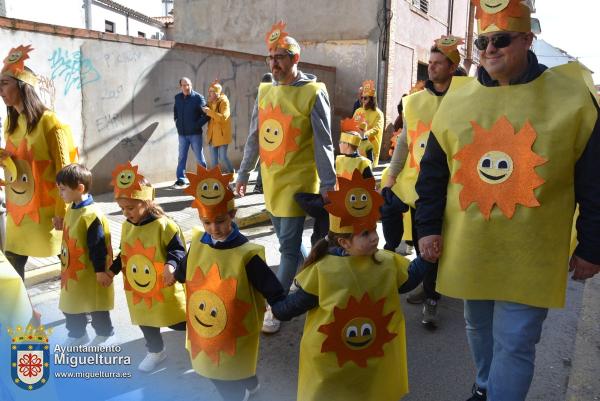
<point>353,345</point>
<point>227,281</point>
<point>152,246</point>
<point>372,123</point>
<point>85,256</point>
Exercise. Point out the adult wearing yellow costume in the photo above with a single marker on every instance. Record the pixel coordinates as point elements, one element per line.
<point>510,155</point>
<point>39,145</point>
<point>373,125</point>
<point>291,129</point>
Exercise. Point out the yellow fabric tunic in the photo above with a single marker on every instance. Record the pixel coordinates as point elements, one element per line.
<point>374,131</point>
<point>80,292</point>
<point>143,253</point>
<point>15,308</point>
<point>286,145</point>
<point>32,199</point>
<point>354,344</point>
<point>345,165</point>
<point>419,109</point>
<point>511,153</point>
<point>219,126</point>
<point>225,312</point>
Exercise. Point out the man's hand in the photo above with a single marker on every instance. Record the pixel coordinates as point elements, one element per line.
<point>168,275</point>
<point>582,269</point>
<point>389,182</point>
<point>240,188</point>
<point>431,247</point>
<point>57,222</point>
<point>103,279</point>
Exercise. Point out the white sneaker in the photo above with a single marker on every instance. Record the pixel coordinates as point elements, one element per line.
<point>152,360</point>
<point>75,341</point>
<point>270,323</point>
<point>250,392</point>
<point>105,341</point>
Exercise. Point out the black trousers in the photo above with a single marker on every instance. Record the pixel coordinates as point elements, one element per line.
<point>430,277</point>
<point>314,206</point>
<point>18,262</point>
<point>391,219</point>
<point>77,322</point>
<point>154,340</point>
<point>235,390</point>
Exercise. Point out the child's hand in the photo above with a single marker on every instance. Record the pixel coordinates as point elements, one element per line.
<point>168,275</point>
<point>103,279</point>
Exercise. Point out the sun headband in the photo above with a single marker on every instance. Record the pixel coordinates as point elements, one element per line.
<point>127,183</point>
<point>277,38</point>
<point>216,86</point>
<point>502,15</point>
<point>211,191</point>
<point>350,128</point>
<point>354,207</point>
<point>14,65</point>
<point>368,88</point>
<point>449,46</point>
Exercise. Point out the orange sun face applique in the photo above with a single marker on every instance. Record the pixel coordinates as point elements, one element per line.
<point>210,190</point>
<point>418,142</point>
<point>15,61</point>
<point>355,202</point>
<point>214,314</point>
<point>143,275</point>
<point>126,180</point>
<point>276,35</point>
<point>276,135</point>
<point>69,259</point>
<point>29,191</point>
<point>498,168</point>
<point>497,12</point>
<point>358,331</point>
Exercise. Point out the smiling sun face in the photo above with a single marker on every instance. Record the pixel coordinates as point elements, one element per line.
<point>210,188</point>
<point>69,259</point>
<point>418,142</point>
<point>275,35</point>
<point>276,135</point>
<point>498,168</point>
<point>143,275</point>
<point>214,314</point>
<point>358,202</point>
<point>126,180</point>
<point>494,6</point>
<point>358,331</point>
<point>497,12</point>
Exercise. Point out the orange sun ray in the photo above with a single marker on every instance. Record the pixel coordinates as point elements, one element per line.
<point>207,294</point>
<point>500,19</point>
<point>69,259</point>
<point>364,319</point>
<point>422,129</point>
<point>30,191</point>
<point>126,180</point>
<point>276,35</point>
<point>277,136</point>
<point>214,185</point>
<point>351,191</point>
<point>138,254</point>
<point>498,168</point>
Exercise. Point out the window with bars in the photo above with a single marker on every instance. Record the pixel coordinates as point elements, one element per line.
<point>109,26</point>
<point>422,5</point>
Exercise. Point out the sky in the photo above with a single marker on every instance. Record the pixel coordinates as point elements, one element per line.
<point>572,26</point>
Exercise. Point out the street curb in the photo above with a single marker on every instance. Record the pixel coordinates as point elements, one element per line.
<point>583,381</point>
<point>253,219</point>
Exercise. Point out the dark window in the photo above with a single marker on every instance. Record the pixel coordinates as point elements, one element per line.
<point>422,72</point>
<point>422,5</point>
<point>109,26</point>
<point>141,34</point>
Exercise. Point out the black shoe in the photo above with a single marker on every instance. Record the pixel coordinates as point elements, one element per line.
<point>257,190</point>
<point>479,394</point>
<point>179,183</point>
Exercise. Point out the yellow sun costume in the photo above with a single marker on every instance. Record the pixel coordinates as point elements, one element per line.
<point>143,256</point>
<point>372,126</point>
<point>80,292</point>
<point>344,164</point>
<point>224,311</point>
<point>31,197</point>
<point>353,346</point>
<point>508,170</point>
<point>15,307</point>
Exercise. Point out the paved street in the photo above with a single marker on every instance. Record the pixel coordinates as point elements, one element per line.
<point>440,368</point>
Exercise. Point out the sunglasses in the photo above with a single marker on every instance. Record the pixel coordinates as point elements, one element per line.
<point>499,41</point>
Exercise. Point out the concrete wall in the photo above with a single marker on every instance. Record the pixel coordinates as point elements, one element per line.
<point>119,97</point>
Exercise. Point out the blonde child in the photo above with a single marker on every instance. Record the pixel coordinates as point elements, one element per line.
<point>353,344</point>
<point>85,255</point>
<point>152,245</point>
<point>227,282</point>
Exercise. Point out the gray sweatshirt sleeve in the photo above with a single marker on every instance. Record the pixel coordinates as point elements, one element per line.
<point>400,153</point>
<point>251,148</point>
<point>320,118</point>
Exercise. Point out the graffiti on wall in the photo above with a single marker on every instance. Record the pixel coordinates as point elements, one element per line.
<point>75,70</point>
<point>47,91</point>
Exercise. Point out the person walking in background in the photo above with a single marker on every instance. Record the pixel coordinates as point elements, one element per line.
<point>218,133</point>
<point>189,116</point>
<point>372,126</point>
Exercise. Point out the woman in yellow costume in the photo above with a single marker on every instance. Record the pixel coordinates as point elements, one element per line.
<point>353,346</point>
<point>38,146</point>
<point>227,281</point>
<point>152,246</point>
<point>373,126</point>
<point>218,133</point>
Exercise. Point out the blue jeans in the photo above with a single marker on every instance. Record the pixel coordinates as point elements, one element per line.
<point>185,141</point>
<point>502,337</point>
<point>289,232</point>
<point>219,153</point>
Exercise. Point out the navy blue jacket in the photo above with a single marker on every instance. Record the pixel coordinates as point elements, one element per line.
<point>188,114</point>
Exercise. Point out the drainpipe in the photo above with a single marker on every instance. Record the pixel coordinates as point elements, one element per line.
<point>127,24</point>
<point>87,6</point>
<point>450,16</point>
<point>470,26</point>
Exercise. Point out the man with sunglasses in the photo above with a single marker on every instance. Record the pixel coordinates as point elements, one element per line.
<point>418,111</point>
<point>509,156</point>
<point>291,130</point>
